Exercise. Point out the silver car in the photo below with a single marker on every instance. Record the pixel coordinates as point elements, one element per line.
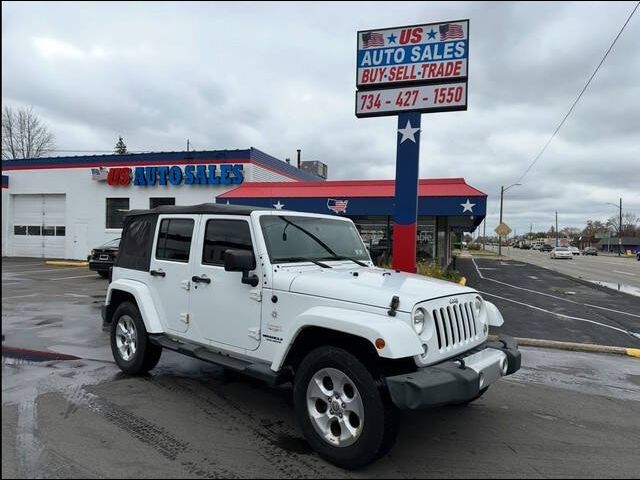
<point>561,252</point>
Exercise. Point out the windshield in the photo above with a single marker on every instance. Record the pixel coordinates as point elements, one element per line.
<point>562,248</point>
<point>292,238</point>
<point>112,243</point>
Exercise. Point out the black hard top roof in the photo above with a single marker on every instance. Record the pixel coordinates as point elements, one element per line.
<point>217,208</point>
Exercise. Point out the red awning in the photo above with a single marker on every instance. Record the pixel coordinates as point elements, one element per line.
<point>438,187</point>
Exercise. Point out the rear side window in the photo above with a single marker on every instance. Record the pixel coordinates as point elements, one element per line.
<point>174,239</point>
<point>221,235</point>
<point>136,242</point>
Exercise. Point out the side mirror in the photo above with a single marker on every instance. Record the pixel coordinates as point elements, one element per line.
<point>241,261</point>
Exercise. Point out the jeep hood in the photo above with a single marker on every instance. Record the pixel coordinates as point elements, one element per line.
<point>368,286</point>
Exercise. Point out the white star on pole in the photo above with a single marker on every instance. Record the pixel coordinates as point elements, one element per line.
<point>408,133</point>
<point>468,206</point>
<point>278,205</point>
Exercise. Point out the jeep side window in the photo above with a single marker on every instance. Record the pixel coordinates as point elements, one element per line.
<point>174,239</point>
<point>221,235</point>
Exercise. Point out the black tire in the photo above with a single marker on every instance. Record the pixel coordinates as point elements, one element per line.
<point>103,274</point>
<point>380,418</point>
<point>147,355</point>
<point>480,393</point>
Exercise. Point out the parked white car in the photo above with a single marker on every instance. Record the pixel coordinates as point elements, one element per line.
<point>294,297</point>
<point>574,250</point>
<point>561,252</point>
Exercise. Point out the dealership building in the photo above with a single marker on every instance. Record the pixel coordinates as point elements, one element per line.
<point>61,207</point>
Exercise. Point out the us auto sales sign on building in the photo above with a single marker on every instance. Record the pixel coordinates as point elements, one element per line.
<point>415,68</point>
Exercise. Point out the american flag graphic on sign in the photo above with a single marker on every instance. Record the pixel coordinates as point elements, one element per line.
<point>372,40</point>
<point>99,174</point>
<point>337,206</point>
<point>451,30</point>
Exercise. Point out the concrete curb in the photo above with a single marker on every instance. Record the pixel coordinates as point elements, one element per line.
<point>577,347</point>
<point>67,263</point>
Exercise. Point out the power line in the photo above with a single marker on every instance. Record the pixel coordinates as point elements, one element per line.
<point>579,96</point>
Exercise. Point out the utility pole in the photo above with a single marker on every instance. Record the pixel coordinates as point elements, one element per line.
<point>484,233</point>
<point>500,236</point>
<point>620,230</point>
<point>502,190</point>
<point>556,229</point>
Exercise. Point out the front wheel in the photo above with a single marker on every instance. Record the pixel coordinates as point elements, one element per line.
<point>344,414</point>
<point>130,345</point>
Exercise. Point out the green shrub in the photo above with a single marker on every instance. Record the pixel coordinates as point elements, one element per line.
<point>474,246</point>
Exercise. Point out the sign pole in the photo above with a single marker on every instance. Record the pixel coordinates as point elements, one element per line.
<point>405,211</point>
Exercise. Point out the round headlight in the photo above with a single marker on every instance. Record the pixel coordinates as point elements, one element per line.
<point>418,320</point>
<point>477,305</point>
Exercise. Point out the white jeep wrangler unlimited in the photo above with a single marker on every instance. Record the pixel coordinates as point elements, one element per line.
<point>294,297</point>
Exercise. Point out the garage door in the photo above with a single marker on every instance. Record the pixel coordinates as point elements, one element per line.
<point>38,226</point>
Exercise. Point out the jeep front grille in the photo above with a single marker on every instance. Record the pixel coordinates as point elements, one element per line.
<point>455,325</point>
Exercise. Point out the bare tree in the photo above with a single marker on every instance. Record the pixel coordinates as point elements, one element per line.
<point>24,135</point>
<point>630,224</point>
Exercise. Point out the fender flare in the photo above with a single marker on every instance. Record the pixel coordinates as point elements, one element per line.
<point>400,339</point>
<point>144,300</point>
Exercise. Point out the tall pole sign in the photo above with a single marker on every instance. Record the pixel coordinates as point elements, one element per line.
<point>407,71</point>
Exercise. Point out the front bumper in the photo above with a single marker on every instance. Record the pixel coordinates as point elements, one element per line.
<point>457,380</point>
<point>100,266</point>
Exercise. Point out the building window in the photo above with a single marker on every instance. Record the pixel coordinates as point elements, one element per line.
<point>222,235</point>
<point>60,231</point>
<point>48,231</point>
<point>116,210</point>
<point>174,239</point>
<point>157,201</point>
<point>19,230</point>
<point>33,230</point>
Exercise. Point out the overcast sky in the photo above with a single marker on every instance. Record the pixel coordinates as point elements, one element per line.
<point>281,76</point>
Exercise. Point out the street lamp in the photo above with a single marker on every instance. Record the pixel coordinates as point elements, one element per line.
<point>619,226</point>
<point>502,190</point>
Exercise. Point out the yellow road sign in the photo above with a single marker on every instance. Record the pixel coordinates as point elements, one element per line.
<point>503,229</point>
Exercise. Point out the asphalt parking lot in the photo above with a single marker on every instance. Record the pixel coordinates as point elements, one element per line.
<point>544,304</point>
<point>619,273</point>
<point>565,414</point>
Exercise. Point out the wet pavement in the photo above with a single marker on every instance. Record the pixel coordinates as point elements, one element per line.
<point>565,414</point>
<point>540,303</point>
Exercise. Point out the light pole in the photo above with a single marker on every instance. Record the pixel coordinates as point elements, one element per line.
<point>619,227</point>
<point>502,190</point>
<point>556,229</point>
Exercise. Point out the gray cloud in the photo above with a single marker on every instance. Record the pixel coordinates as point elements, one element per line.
<point>281,76</point>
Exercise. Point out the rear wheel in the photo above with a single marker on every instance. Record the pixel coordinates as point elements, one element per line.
<point>344,414</point>
<point>130,345</point>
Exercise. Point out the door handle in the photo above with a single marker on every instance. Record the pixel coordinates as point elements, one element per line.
<point>202,279</point>
<point>157,273</point>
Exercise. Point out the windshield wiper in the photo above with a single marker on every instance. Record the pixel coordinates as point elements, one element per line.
<point>303,259</point>
<point>342,257</point>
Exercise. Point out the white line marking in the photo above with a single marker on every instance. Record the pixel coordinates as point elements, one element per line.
<point>560,315</point>
<point>42,264</point>
<point>47,295</point>
<point>22,296</point>
<point>625,273</point>
<point>59,269</point>
<point>78,276</point>
<point>549,295</point>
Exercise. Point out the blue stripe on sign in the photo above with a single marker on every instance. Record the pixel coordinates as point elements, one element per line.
<point>436,206</point>
<point>407,166</point>
<point>429,52</point>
